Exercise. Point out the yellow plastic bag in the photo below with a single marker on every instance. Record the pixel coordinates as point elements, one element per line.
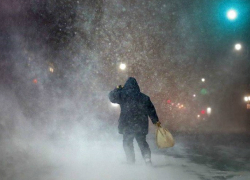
<point>164,138</point>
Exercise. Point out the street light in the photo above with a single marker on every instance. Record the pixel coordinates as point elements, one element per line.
<point>122,66</point>
<point>203,79</point>
<point>209,110</point>
<point>237,46</point>
<point>51,69</point>
<point>231,14</point>
<point>242,49</point>
<point>247,100</point>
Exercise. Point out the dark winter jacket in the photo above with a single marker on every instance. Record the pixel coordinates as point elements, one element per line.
<point>136,107</point>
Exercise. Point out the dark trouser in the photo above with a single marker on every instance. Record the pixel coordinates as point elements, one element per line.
<point>129,148</point>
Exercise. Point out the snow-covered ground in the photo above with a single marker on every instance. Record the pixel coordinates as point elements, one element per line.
<point>79,159</point>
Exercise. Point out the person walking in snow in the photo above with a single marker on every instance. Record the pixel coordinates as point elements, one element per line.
<point>136,107</point>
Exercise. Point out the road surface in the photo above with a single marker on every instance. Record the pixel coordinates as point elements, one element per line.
<point>195,157</point>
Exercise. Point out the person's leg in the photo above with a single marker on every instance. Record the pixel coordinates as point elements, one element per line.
<point>129,147</point>
<point>145,150</point>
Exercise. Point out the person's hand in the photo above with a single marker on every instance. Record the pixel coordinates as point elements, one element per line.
<point>158,124</point>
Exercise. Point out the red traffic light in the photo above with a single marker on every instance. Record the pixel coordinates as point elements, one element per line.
<point>35,81</point>
<point>203,111</point>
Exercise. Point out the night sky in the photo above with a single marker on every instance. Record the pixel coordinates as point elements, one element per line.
<point>168,46</point>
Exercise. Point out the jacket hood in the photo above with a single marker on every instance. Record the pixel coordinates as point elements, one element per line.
<point>131,84</point>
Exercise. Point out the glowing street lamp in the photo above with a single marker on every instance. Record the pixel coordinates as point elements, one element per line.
<point>209,110</point>
<point>247,98</point>
<point>231,14</point>
<point>51,69</point>
<point>122,66</point>
<point>194,95</point>
<point>237,46</point>
<point>203,79</point>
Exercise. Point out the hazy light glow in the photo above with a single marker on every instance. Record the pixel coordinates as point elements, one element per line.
<point>123,66</point>
<point>209,110</point>
<point>203,91</point>
<point>203,79</point>
<point>194,95</point>
<point>247,98</point>
<point>114,104</point>
<point>198,116</point>
<point>51,69</point>
<point>231,14</point>
<point>238,47</point>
